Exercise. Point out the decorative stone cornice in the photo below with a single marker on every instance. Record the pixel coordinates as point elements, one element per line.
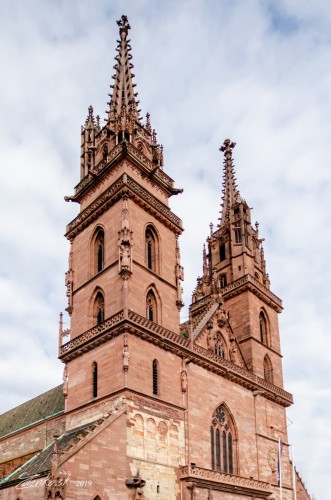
<point>124,184</point>
<point>207,478</point>
<point>247,282</point>
<point>130,322</point>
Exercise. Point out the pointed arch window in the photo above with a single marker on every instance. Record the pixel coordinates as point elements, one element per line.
<point>105,152</point>
<point>268,370</point>
<point>151,249</point>
<point>151,307</point>
<point>99,308</point>
<point>263,325</point>
<point>98,251</point>
<point>237,233</point>
<point>155,377</point>
<point>94,379</point>
<point>222,434</point>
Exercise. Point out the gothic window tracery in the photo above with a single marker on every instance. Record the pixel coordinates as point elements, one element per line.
<point>222,434</point>
<point>268,370</point>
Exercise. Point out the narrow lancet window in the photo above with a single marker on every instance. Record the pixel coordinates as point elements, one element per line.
<point>151,309</point>
<point>98,251</point>
<point>155,377</point>
<point>99,308</point>
<point>263,328</point>
<point>268,370</point>
<point>95,379</point>
<point>151,249</point>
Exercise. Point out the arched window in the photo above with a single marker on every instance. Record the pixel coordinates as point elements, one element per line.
<point>104,152</point>
<point>222,432</point>
<point>99,308</point>
<point>151,251</point>
<point>155,376</point>
<point>97,498</point>
<point>268,370</point>
<point>94,379</point>
<point>98,251</point>
<point>263,328</point>
<point>151,307</point>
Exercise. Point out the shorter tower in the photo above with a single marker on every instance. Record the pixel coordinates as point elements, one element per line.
<point>234,262</point>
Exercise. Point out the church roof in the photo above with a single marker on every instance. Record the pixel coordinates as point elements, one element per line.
<point>41,463</point>
<point>37,409</point>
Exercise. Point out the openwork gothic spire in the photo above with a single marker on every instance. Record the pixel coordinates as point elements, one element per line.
<point>230,193</point>
<point>123,98</point>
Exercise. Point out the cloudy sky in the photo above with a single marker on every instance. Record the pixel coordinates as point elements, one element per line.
<point>257,72</point>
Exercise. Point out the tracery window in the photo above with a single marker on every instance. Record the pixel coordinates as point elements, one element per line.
<point>263,328</point>
<point>155,376</point>
<point>268,370</point>
<point>222,435</point>
<point>95,379</point>
<point>151,306</point>
<point>99,308</point>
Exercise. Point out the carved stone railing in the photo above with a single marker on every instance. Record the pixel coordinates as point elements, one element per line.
<point>243,373</point>
<point>158,329</point>
<point>114,320</point>
<point>91,333</point>
<point>250,279</point>
<point>228,479</point>
<point>200,303</point>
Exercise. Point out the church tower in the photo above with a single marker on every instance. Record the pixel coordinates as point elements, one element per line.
<point>124,257</point>
<point>233,258</point>
<point>191,411</point>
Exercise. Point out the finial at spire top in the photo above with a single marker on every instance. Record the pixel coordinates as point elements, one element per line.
<point>227,147</point>
<point>124,26</point>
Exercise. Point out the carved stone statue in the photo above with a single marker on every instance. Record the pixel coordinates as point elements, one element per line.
<point>183,378</point>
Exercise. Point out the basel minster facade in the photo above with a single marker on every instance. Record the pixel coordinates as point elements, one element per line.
<point>151,408</point>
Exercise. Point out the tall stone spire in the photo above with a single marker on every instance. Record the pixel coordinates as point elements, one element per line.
<point>123,98</point>
<point>230,193</point>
